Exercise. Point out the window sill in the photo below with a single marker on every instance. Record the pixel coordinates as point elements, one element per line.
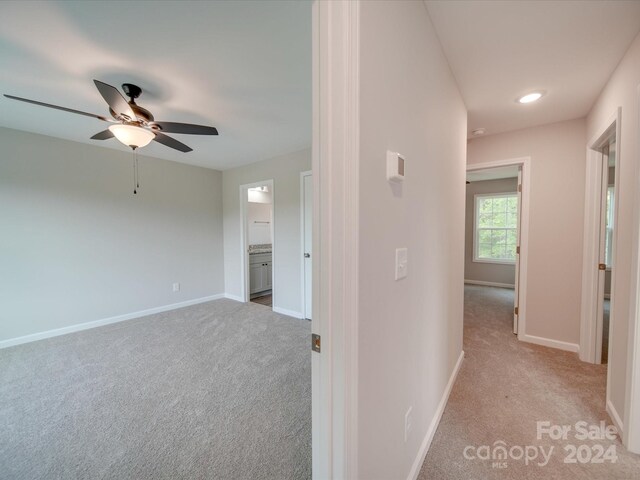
<point>494,262</point>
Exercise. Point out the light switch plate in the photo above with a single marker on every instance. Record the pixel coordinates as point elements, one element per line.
<point>401,263</point>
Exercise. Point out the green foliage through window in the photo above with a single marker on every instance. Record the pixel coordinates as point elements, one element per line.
<point>496,227</point>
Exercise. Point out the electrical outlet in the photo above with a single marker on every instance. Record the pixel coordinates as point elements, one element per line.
<point>176,287</point>
<point>408,423</point>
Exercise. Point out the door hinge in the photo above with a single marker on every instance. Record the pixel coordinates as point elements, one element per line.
<point>518,250</point>
<point>315,342</point>
<point>515,310</point>
<point>602,266</point>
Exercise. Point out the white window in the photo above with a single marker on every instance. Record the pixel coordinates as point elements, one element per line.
<point>495,228</point>
<point>609,226</point>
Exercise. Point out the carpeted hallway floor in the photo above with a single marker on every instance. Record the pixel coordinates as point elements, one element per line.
<point>503,388</point>
<point>220,390</point>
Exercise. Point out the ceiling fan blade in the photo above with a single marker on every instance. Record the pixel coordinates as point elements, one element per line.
<point>188,128</point>
<point>70,110</point>
<point>171,142</point>
<point>114,98</point>
<point>104,135</point>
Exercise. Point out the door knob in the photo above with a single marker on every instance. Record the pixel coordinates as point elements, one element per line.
<point>307,255</point>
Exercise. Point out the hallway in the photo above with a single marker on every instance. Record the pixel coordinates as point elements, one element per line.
<point>503,389</point>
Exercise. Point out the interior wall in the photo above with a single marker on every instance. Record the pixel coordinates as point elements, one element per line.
<point>259,219</point>
<point>78,246</point>
<point>287,254</point>
<point>410,332</point>
<point>556,219</point>
<point>482,271</point>
<point>622,91</point>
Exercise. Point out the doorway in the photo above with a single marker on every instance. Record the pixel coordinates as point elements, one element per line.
<point>598,282</point>
<point>605,266</point>
<point>496,233</point>
<point>257,210</point>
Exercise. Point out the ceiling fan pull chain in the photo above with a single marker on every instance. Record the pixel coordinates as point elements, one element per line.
<point>137,171</point>
<point>135,180</point>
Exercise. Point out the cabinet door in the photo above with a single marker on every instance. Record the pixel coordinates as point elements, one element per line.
<point>255,278</point>
<point>268,272</point>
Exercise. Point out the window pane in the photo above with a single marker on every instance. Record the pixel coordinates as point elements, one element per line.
<point>497,251</point>
<point>485,220</point>
<point>499,204</point>
<point>496,224</point>
<point>484,250</point>
<point>484,236</point>
<point>499,219</point>
<point>485,206</point>
<point>498,237</point>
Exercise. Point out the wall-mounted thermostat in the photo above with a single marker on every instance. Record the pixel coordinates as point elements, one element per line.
<point>395,167</point>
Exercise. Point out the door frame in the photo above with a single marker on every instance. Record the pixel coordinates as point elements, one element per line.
<point>303,297</point>
<point>245,290</point>
<point>525,168</point>
<point>591,242</point>
<point>335,165</point>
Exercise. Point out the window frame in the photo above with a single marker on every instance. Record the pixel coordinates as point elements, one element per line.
<point>477,259</point>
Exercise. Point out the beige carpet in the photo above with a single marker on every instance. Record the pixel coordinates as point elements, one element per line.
<point>219,390</point>
<point>504,387</point>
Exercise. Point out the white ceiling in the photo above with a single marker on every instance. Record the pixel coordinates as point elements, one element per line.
<point>500,50</point>
<point>243,67</point>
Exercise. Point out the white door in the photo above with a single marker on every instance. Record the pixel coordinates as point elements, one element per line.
<point>307,219</point>
<point>517,279</point>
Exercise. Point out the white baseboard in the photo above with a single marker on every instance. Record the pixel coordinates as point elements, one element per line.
<point>489,284</point>
<point>105,321</point>
<point>548,342</point>
<point>613,413</point>
<point>431,431</point>
<point>237,298</point>
<point>288,313</point>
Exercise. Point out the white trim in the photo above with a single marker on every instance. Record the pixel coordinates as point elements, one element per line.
<point>245,289</point>
<point>489,284</point>
<point>104,321</point>
<point>303,299</point>
<point>525,169</point>
<point>548,342</point>
<point>288,313</point>
<point>335,150</point>
<point>613,413</point>
<point>431,431</point>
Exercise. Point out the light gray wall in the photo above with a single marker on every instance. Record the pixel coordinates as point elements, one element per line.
<point>622,91</point>
<point>556,220</point>
<point>287,254</point>
<point>410,330</point>
<point>78,246</point>
<point>485,272</point>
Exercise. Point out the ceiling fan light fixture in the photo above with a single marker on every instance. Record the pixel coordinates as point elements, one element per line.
<point>132,136</point>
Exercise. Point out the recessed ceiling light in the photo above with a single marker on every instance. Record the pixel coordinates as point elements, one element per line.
<point>478,131</point>
<point>530,97</point>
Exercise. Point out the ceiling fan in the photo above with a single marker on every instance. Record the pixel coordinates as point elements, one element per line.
<point>133,125</point>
